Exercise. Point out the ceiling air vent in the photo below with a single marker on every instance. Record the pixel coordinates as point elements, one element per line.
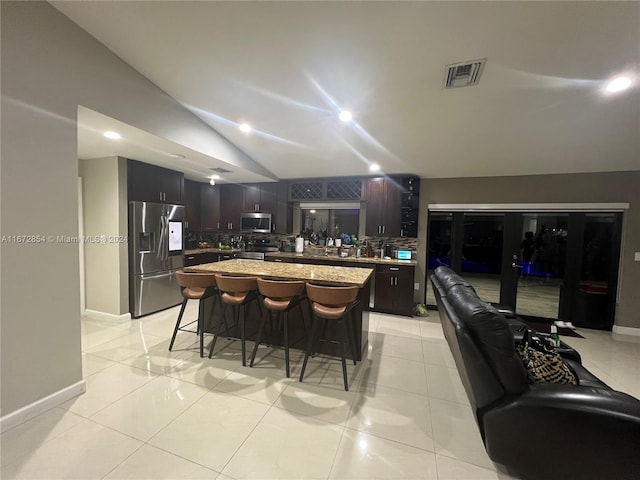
<point>219,170</point>
<point>463,74</point>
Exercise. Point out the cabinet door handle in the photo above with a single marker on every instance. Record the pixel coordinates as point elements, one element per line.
<point>278,259</point>
<point>395,269</point>
<point>384,227</point>
<point>391,281</point>
<point>257,207</point>
<point>190,258</point>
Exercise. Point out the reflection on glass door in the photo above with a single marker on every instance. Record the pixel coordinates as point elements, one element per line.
<point>439,246</point>
<point>594,295</point>
<point>541,259</point>
<point>481,261</point>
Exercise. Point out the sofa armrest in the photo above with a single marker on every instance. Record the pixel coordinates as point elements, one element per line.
<point>566,431</point>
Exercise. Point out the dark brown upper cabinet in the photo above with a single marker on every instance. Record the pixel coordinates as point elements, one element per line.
<point>383,196</point>
<point>210,210</point>
<point>192,206</point>
<point>260,197</point>
<point>231,206</point>
<point>150,183</point>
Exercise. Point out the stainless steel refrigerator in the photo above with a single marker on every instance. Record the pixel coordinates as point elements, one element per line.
<point>156,233</point>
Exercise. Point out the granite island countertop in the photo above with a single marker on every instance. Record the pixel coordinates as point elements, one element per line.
<point>324,274</point>
<point>335,258</point>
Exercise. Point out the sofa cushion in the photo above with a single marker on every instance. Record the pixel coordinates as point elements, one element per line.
<point>448,278</point>
<point>493,336</point>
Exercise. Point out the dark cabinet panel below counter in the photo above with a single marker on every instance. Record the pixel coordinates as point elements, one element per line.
<point>394,289</point>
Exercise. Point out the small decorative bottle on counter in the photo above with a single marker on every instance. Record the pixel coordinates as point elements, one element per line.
<point>554,336</point>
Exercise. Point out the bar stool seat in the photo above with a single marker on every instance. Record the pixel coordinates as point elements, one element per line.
<point>237,292</point>
<point>194,286</point>
<point>279,297</point>
<point>332,303</point>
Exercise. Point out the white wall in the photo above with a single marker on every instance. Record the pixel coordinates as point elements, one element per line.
<point>105,215</point>
<point>49,67</point>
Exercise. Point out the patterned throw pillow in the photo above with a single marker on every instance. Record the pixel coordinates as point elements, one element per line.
<point>543,364</point>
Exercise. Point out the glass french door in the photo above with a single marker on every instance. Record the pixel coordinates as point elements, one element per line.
<point>547,265</point>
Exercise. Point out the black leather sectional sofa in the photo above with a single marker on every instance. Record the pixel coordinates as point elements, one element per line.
<point>535,430</point>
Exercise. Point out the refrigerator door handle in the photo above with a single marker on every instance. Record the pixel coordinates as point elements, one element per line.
<point>163,244</point>
<point>157,275</point>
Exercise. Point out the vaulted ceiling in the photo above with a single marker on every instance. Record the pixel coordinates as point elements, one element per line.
<point>289,68</point>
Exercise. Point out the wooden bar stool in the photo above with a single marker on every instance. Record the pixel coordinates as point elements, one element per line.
<point>279,297</point>
<point>194,286</point>
<point>332,303</point>
<point>237,292</point>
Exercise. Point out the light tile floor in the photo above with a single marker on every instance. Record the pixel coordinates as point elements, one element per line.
<point>153,414</point>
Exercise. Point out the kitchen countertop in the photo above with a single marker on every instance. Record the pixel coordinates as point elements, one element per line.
<point>327,274</point>
<point>333,258</point>
<point>195,251</point>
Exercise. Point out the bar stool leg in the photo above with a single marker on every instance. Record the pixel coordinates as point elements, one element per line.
<point>175,330</point>
<point>216,335</point>
<point>345,339</point>
<point>201,325</point>
<point>286,341</point>
<point>352,342</point>
<point>241,315</point>
<point>314,327</point>
<point>259,337</point>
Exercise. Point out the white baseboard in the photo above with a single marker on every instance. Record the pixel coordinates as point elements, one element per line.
<point>38,407</point>
<point>108,316</point>
<point>626,330</point>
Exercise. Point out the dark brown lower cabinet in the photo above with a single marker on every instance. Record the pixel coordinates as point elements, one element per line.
<point>198,258</point>
<point>394,289</point>
<point>207,257</point>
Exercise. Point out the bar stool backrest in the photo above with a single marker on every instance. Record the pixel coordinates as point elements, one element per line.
<point>280,290</point>
<point>236,285</point>
<point>332,296</point>
<point>198,280</point>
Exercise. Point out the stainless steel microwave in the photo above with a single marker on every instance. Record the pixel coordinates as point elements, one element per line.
<point>256,222</point>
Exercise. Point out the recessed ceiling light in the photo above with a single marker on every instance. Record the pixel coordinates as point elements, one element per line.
<point>176,155</point>
<point>374,167</point>
<point>345,116</point>
<point>112,135</point>
<point>212,182</point>
<point>618,84</point>
<point>245,127</point>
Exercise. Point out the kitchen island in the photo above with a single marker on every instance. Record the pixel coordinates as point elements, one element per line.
<point>393,283</point>
<point>318,274</point>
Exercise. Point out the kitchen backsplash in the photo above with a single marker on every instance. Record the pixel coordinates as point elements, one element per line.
<point>191,240</point>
